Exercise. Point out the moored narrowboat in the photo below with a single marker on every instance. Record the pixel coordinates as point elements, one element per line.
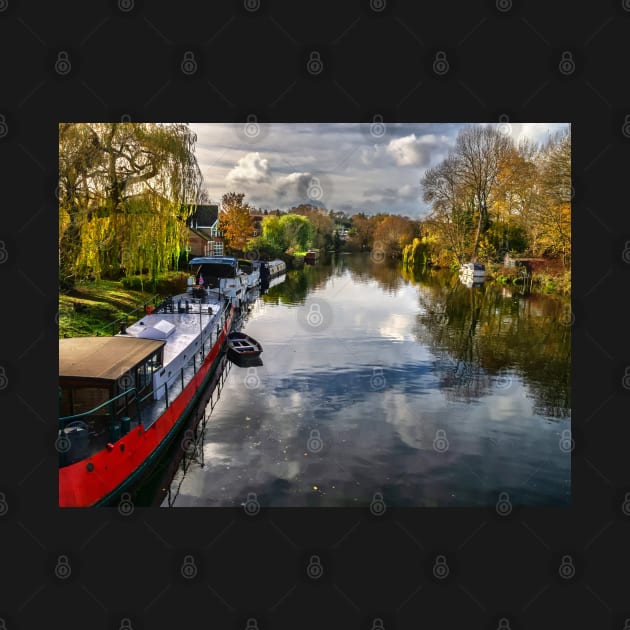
<point>269,270</point>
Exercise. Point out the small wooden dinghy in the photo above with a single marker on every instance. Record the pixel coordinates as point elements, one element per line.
<point>243,346</point>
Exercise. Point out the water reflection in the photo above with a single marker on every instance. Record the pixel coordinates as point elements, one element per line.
<point>396,363</point>
<point>491,334</point>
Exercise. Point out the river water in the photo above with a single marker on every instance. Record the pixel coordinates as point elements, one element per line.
<point>376,385</point>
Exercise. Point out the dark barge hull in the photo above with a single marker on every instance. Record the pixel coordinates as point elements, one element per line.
<point>151,490</point>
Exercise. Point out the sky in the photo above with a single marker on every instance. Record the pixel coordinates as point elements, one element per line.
<point>353,167</point>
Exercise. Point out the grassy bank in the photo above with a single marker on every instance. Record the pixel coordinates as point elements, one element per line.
<point>92,308</point>
<point>550,280</point>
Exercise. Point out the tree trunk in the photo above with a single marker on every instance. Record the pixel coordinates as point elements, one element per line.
<point>69,249</point>
<point>477,238</point>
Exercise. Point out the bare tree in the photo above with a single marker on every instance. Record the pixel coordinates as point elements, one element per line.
<point>452,214</point>
<point>479,153</point>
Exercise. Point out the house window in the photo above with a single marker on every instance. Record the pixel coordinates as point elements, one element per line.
<point>217,248</point>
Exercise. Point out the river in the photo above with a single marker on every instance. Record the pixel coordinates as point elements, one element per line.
<point>380,388</point>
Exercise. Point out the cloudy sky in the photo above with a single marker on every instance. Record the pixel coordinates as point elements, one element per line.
<point>350,167</point>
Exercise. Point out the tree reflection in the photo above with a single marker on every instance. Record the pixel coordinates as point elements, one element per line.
<point>482,337</point>
<point>298,284</point>
<point>367,268</point>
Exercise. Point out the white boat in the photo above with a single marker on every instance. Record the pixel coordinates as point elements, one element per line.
<point>251,271</point>
<point>221,275</point>
<point>472,270</point>
<point>472,274</point>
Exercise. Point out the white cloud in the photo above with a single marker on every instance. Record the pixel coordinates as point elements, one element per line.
<point>411,150</point>
<point>293,185</point>
<point>250,169</point>
<point>363,176</point>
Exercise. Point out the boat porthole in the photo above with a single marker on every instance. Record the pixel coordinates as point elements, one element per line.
<point>90,467</point>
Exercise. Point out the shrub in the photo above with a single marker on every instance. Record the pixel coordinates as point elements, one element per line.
<point>135,283</point>
<point>172,283</point>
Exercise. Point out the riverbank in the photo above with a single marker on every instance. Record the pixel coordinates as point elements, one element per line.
<point>549,278</point>
<point>96,307</point>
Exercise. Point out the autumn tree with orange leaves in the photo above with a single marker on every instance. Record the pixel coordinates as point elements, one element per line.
<point>235,221</point>
<point>552,213</point>
<point>492,195</point>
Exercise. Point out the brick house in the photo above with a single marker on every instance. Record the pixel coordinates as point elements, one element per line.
<point>257,217</point>
<point>204,237</point>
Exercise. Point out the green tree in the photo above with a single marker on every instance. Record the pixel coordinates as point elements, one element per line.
<point>285,234</point>
<point>321,223</point>
<point>125,190</point>
<point>297,232</point>
<point>272,236</point>
<point>416,255</point>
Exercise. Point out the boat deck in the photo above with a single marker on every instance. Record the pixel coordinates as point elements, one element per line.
<point>188,325</point>
<point>202,321</point>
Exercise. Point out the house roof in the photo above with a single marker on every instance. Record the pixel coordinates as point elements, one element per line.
<point>204,233</point>
<point>204,216</point>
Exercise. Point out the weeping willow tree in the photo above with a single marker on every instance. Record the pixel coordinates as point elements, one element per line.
<point>125,192</point>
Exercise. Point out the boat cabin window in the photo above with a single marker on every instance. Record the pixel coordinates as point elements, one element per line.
<point>143,377</point>
<point>155,362</point>
<point>140,378</point>
<point>76,400</point>
<point>217,270</point>
<point>144,373</point>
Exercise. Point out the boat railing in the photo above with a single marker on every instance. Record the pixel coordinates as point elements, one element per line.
<point>170,383</point>
<point>63,421</point>
<point>115,325</point>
